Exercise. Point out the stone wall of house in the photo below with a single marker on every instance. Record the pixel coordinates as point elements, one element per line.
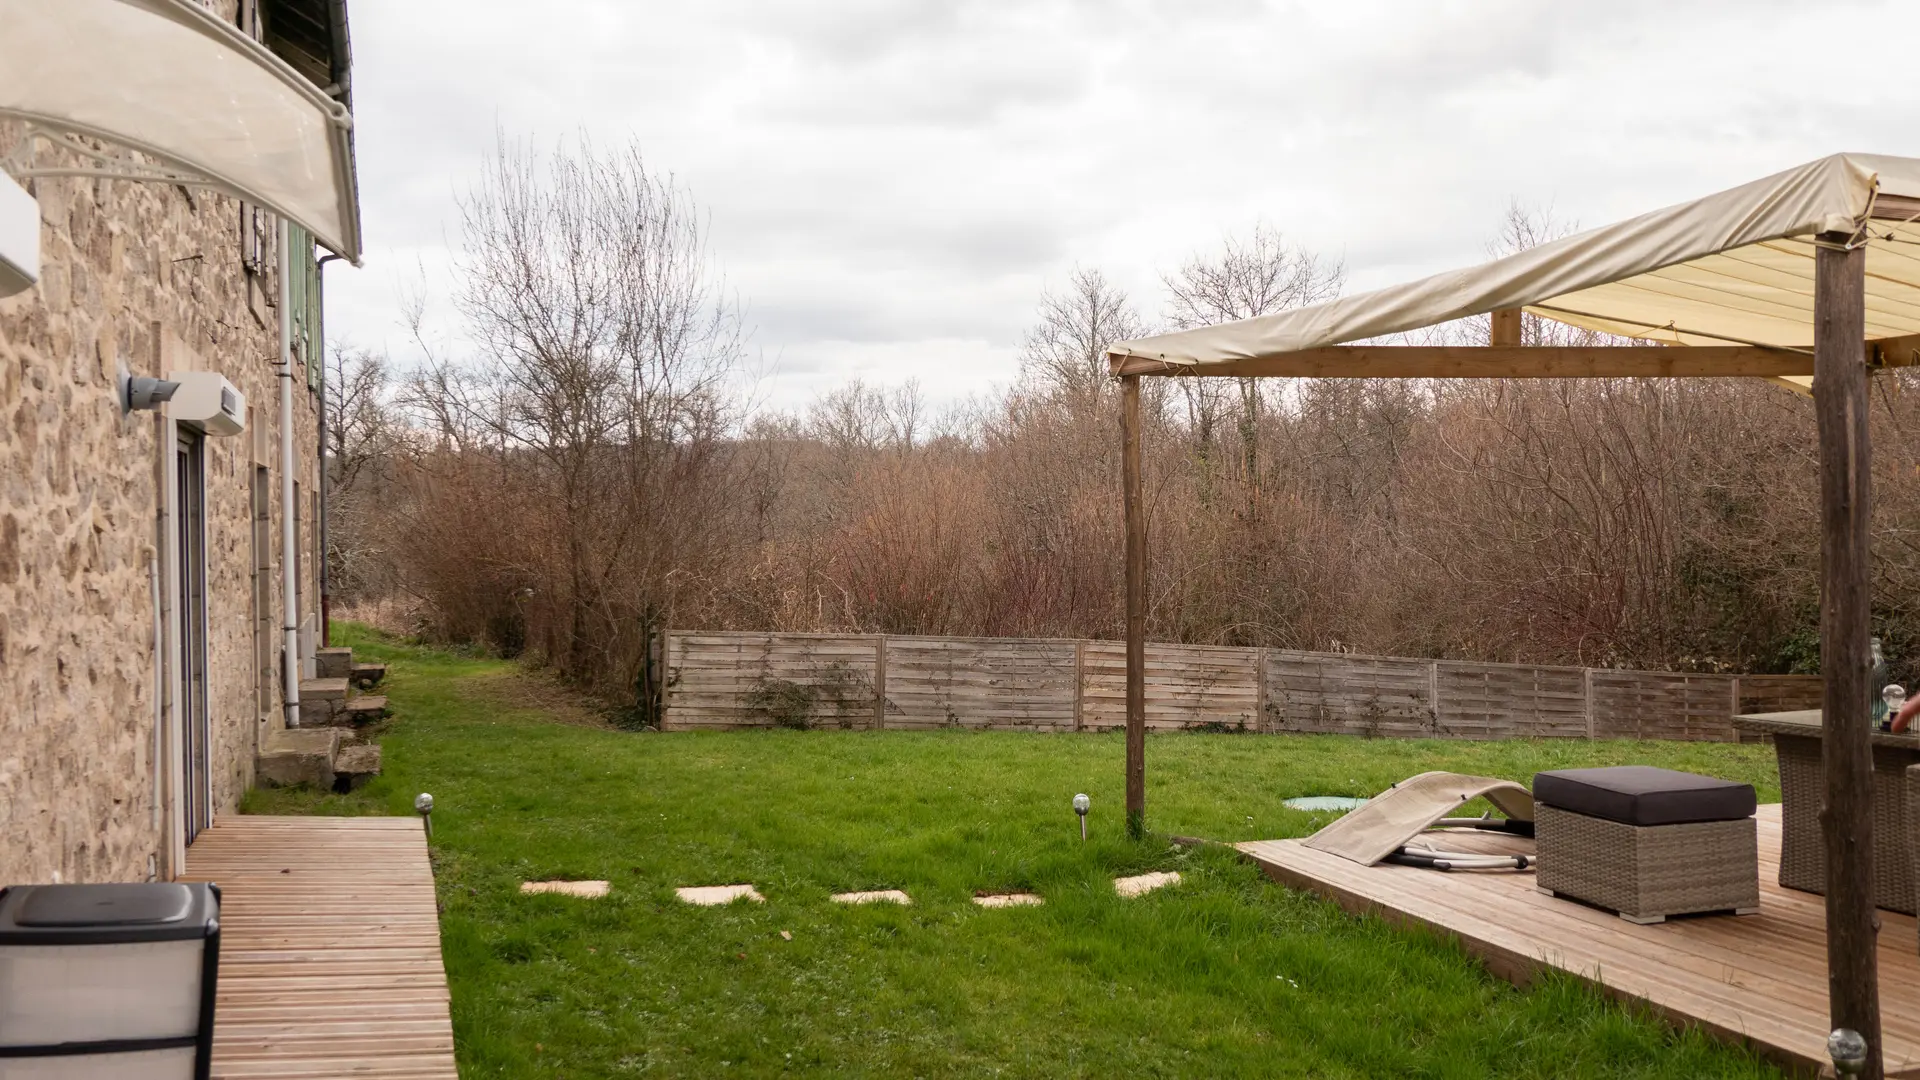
<point>148,278</point>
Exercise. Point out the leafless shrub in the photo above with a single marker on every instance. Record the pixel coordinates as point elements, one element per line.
<point>586,475</point>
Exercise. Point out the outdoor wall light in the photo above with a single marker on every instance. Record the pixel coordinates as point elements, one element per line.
<point>1848,1051</point>
<point>1081,804</point>
<point>142,392</point>
<point>108,982</point>
<point>423,805</point>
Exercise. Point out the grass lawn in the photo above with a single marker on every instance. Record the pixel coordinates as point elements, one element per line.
<point>1225,974</point>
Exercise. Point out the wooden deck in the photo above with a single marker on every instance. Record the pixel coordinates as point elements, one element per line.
<point>1759,979</point>
<point>329,949</point>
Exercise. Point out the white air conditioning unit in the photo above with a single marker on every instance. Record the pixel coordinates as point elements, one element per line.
<point>19,238</point>
<point>206,400</point>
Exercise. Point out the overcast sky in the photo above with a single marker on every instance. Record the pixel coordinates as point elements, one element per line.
<point>891,183</point>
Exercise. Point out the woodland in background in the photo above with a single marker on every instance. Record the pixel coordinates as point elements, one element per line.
<point>592,473</point>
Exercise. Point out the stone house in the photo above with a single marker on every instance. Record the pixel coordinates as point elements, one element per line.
<point>129,641</point>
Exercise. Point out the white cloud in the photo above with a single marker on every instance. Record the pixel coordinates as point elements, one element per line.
<point>892,182</point>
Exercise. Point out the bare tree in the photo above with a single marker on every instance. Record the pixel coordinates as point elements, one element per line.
<point>362,438</point>
<point>605,341</point>
<point>1066,349</point>
<point>1243,280</point>
<point>361,426</point>
<point>859,416</point>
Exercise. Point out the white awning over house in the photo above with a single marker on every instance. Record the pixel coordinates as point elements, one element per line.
<point>169,79</point>
<point>1732,268</point>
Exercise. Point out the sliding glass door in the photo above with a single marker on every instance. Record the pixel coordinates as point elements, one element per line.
<point>196,788</point>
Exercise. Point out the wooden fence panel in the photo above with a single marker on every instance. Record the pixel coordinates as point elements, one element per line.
<point>1507,701</point>
<point>1376,696</point>
<point>980,682</point>
<point>1778,693</point>
<point>1187,686</point>
<point>724,680</point>
<point>731,680</point>
<point>1662,705</point>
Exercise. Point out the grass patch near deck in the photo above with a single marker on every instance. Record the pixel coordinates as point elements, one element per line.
<point>1224,974</point>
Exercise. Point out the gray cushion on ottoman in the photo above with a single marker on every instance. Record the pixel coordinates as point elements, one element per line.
<point>1643,795</point>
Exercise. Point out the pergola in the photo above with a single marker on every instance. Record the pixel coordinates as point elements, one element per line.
<point>1810,277</point>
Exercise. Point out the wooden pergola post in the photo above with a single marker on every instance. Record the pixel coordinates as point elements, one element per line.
<point>1846,661</point>
<point>1136,514</point>
<point>1505,328</point>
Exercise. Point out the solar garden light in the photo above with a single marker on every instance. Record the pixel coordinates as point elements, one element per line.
<point>423,803</point>
<point>1080,806</point>
<point>108,980</point>
<point>1848,1051</point>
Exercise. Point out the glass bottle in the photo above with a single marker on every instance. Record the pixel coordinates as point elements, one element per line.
<point>1881,717</point>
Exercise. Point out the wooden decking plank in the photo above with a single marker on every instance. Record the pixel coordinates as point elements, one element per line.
<point>1588,951</point>
<point>1590,942</point>
<point>330,950</point>
<point>1760,979</point>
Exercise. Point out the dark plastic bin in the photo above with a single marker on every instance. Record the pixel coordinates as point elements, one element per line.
<point>108,981</point>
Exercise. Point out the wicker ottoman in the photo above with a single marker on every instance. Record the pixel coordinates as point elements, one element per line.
<point>1647,843</point>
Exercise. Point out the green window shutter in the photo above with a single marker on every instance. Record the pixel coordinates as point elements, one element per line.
<point>316,338</point>
<point>304,296</point>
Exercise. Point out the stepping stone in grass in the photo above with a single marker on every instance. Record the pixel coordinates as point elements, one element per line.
<point>883,896</point>
<point>1017,899</point>
<point>586,889</point>
<point>1145,883</point>
<point>715,895</point>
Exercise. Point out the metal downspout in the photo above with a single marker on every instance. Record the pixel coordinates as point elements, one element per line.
<point>159,685</point>
<point>289,550</point>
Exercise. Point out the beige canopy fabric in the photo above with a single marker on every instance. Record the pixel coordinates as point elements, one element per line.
<point>170,79</point>
<point>1400,813</point>
<point>1732,268</point>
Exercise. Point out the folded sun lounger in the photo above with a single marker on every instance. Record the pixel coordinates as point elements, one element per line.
<point>1391,820</point>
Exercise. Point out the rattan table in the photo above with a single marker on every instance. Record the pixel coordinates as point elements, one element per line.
<point>1803,865</point>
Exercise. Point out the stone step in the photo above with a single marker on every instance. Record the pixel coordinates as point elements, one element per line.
<point>304,756</point>
<point>321,701</point>
<point>367,676</point>
<point>335,662</point>
<point>324,689</point>
<point>364,709</point>
<point>355,765</point>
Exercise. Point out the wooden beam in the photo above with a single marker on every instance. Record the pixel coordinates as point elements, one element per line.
<point>1896,208</point>
<point>1506,327</point>
<point>1846,661</point>
<point>1523,362</point>
<point>1494,362</point>
<point>1136,513</point>
<point>1901,351</point>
